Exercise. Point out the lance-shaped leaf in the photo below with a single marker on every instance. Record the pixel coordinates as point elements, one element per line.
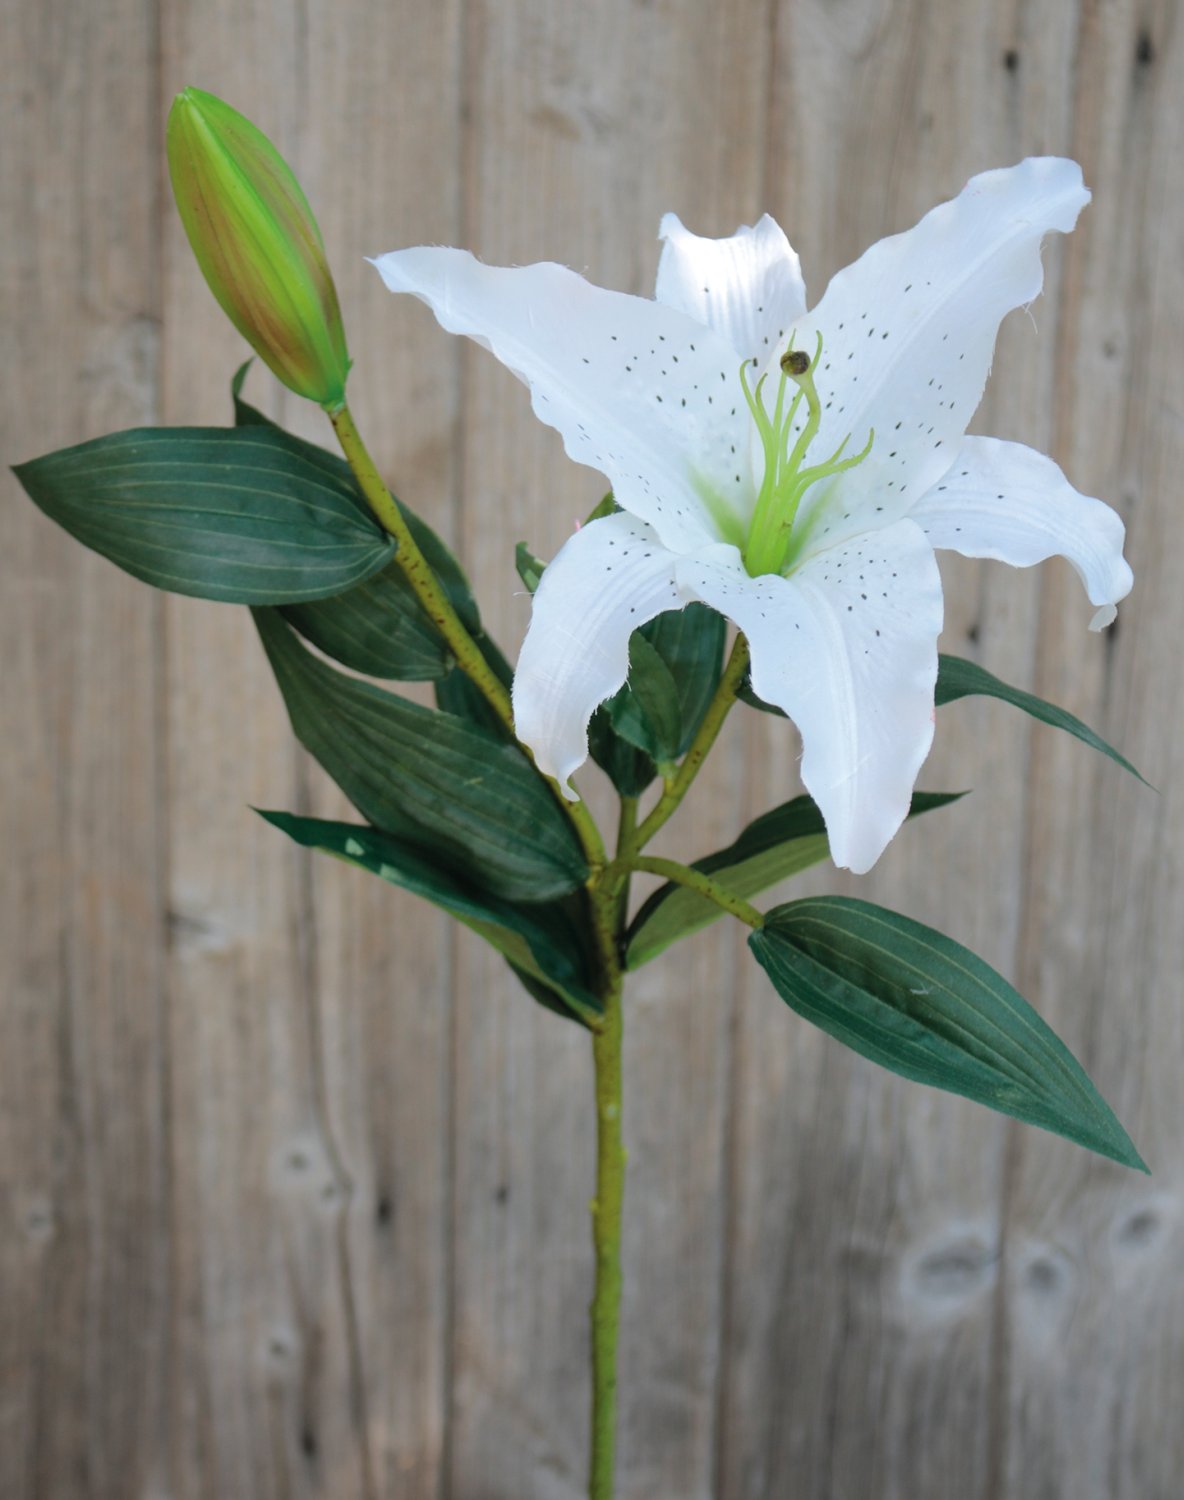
<point>958,678</point>
<point>779,844</point>
<point>437,781</point>
<point>691,643</point>
<point>921,1005</point>
<point>646,712</point>
<point>246,515</point>
<point>540,941</point>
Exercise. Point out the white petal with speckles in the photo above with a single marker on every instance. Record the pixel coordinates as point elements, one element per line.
<point>610,577</point>
<point>1009,502</point>
<point>908,335</point>
<point>847,647</point>
<point>649,394</point>
<point>748,288</point>
<point>637,390</point>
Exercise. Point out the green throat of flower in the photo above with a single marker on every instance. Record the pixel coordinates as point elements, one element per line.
<point>786,481</point>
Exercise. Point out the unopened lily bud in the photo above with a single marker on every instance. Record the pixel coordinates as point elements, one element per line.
<point>257,244</point>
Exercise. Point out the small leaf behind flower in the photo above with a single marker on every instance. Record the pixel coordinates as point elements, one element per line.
<point>541,942</point>
<point>434,780</point>
<point>921,1005</point>
<point>958,678</point>
<point>675,663</point>
<point>777,845</point>
<point>646,711</point>
<point>246,515</point>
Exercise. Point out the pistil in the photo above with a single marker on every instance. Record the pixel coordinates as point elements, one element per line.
<point>785,481</point>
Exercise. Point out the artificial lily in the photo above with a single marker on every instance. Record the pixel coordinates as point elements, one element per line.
<point>794,470</point>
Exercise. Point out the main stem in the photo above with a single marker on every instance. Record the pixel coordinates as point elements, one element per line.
<point>438,607</point>
<point>606,1226</point>
<point>609,895</point>
<point>415,566</point>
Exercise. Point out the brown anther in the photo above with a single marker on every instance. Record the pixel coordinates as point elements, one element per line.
<point>795,362</point>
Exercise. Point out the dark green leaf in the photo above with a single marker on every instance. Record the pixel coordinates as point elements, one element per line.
<point>675,663</point>
<point>957,678</point>
<point>378,627</point>
<point>429,778</point>
<point>246,415</point>
<point>540,941</point>
<point>246,515</point>
<point>604,507</point>
<point>779,844</point>
<point>746,695</point>
<point>923,1006</point>
<point>548,995</point>
<point>691,643</point>
<point>646,712</point>
<point>630,770</point>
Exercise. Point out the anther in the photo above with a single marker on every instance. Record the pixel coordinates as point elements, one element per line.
<point>795,362</point>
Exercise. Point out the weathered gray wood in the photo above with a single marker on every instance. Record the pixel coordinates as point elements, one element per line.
<point>561,98</point>
<point>84,1132</point>
<point>1093,1284</point>
<point>311,1011</point>
<point>874,1244</point>
<point>294,1179</point>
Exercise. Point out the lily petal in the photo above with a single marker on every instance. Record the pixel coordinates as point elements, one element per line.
<point>748,287</point>
<point>1006,501</point>
<point>637,390</point>
<point>610,577</point>
<point>909,331</point>
<point>847,647</point>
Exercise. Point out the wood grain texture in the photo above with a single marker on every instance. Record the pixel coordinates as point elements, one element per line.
<point>294,1179</point>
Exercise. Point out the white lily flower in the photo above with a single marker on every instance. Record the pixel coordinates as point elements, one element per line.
<point>792,470</point>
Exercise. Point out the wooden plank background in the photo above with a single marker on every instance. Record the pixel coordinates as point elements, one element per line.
<point>293,1180</point>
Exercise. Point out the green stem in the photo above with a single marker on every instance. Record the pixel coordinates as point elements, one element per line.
<point>438,607</point>
<point>436,604</point>
<point>695,880</point>
<point>692,762</point>
<point>626,826</point>
<point>610,1189</point>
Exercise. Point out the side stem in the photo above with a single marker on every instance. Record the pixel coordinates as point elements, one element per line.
<point>690,765</point>
<point>701,884</point>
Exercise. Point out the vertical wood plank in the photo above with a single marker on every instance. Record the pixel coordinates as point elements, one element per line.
<point>586,124</point>
<point>1092,1273</point>
<point>311,1014</point>
<point>382,148</point>
<point>84,1248</point>
<point>284,1217</point>
<point>868,1227</point>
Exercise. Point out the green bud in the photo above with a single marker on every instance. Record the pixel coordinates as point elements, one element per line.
<point>257,244</point>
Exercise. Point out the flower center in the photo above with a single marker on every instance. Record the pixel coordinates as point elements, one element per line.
<point>785,480</point>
